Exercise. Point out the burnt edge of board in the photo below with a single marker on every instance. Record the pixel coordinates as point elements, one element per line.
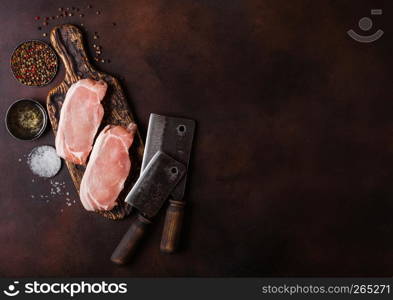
<point>67,40</point>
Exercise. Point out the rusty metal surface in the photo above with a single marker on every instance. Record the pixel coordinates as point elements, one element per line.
<point>292,166</point>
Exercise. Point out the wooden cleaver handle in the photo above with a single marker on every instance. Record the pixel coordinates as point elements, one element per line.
<point>172,227</point>
<point>128,244</point>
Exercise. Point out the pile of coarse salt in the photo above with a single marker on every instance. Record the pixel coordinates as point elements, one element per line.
<point>44,161</point>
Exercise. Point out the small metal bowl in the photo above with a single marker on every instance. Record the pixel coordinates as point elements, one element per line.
<point>18,116</point>
<point>14,70</point>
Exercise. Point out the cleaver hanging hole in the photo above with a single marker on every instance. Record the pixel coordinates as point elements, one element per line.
<point>181,129</point>
<point>174,170</point>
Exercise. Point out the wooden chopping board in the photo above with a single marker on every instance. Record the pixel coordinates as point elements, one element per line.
<point>67,40</point>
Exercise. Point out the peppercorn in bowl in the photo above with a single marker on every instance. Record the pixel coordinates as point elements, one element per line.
<point>34,63</point>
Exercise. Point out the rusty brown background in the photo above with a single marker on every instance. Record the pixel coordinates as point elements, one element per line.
<point>292,172</point>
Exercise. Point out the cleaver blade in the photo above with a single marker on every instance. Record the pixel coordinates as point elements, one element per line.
<point>174,137</point>
<point>153,187</point>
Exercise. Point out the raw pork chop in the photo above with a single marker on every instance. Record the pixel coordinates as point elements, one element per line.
<point>108,168</point>
<point>80,117</point>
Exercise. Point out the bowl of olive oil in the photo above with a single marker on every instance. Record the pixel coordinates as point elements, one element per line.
<point>26,119</point>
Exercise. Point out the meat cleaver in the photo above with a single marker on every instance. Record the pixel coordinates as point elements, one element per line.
<point>173,136</point>
<point>148,195</point>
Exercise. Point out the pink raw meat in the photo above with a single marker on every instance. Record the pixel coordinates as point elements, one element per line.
<point>108,168</point>
<point>80,117</point>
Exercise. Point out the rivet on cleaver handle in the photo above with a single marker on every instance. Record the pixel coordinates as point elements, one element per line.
<point>148,195</point>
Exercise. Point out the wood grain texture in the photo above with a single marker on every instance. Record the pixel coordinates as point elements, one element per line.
<point>130,241</point>
<point>172,226</point>
<point>67,40</point>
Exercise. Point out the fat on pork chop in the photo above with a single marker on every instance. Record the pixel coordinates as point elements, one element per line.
<point>108,168</point>
<point>80,117</point>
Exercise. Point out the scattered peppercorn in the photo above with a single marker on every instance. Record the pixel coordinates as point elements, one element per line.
<point>44,34</point>
<point>34,63</point>
<point>98,12</point>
